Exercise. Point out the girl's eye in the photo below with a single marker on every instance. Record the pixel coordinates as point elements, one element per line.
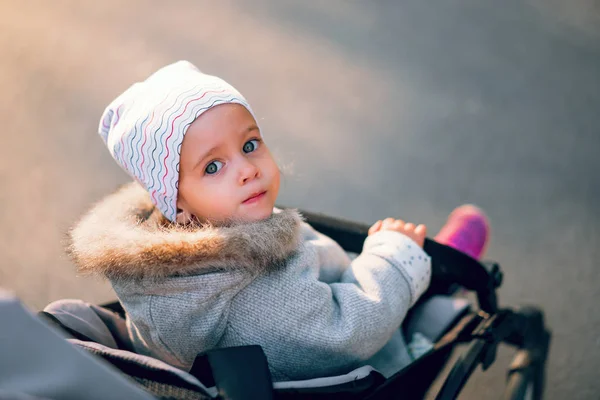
<point>250,146</point>
<point>213,167</point>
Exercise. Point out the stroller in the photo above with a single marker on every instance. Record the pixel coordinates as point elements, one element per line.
<point>243,373</point>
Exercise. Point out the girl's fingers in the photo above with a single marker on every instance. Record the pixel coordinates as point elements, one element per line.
<point>387,222</point>
<point>396,225</point>
<point>376,226</point>
<point>417,233</point>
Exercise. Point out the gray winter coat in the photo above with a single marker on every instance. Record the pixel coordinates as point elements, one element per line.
<point>277,283</point>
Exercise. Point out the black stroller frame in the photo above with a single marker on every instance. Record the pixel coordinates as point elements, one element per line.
<point>242,372</point>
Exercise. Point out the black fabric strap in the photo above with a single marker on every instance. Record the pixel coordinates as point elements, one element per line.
<point>238,372</point>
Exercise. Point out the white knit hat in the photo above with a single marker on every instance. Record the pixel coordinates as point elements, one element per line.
<point>144,127</point>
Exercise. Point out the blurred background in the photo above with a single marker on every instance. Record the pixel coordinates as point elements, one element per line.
<point>374,109</point>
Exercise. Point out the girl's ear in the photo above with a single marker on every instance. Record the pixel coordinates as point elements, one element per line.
<point>183,217</point>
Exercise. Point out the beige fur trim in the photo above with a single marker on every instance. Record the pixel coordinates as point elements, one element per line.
<point>124,236</point>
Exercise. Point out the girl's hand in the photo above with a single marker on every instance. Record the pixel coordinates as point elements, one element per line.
<point>416,233</point>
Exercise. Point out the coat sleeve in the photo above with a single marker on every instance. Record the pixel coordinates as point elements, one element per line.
<point>332,260</point>
<point>310,328</point>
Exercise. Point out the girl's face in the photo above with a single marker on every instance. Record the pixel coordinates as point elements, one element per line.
<point>226,171</point>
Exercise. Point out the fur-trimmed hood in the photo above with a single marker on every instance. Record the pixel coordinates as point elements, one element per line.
<point>124,236</point>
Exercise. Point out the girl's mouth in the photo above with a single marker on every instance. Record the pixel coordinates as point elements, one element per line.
<point>254,198</point>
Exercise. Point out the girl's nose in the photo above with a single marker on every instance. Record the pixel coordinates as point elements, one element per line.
<point>248,172</point>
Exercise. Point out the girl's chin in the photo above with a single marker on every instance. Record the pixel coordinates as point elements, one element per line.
<point>244,218</point>
<point>259,216</point>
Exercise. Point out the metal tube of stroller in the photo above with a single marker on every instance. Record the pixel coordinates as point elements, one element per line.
<point>520,384</point>
<point>462,370</point>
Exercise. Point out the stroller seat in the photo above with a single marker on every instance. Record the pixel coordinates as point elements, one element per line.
<point>102,331</point>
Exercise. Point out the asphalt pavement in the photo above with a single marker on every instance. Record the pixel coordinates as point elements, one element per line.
<point>373,109</point>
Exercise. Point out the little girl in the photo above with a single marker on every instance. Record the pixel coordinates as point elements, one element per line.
<point>200,259</point>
